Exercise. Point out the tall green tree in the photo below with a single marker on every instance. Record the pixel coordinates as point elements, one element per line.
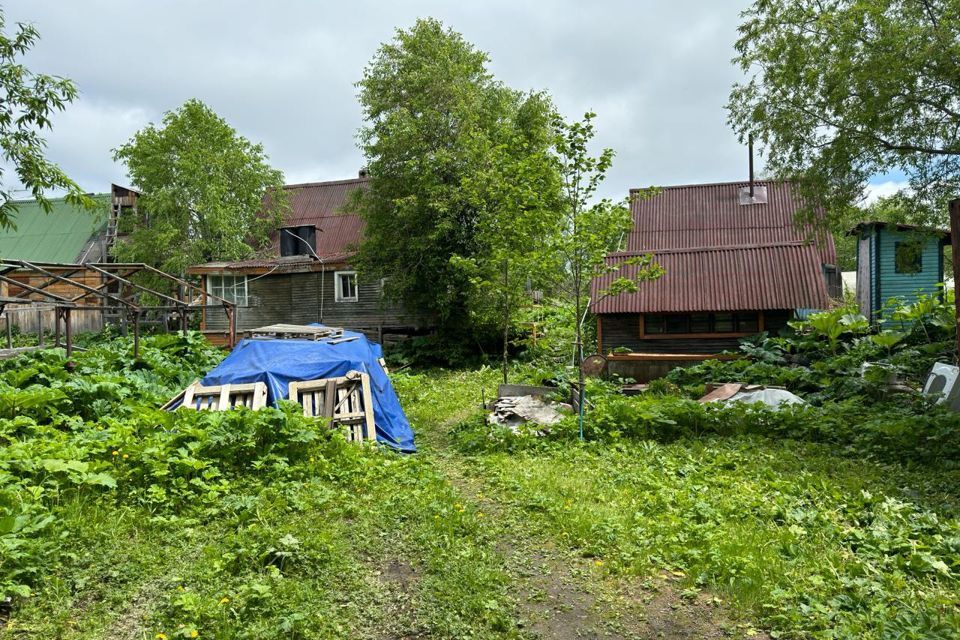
<point>841,90</point>
<point>28,101</point>
<point>518,191</point>
<point>592,228</point>
<point>440,134</point>
<point>205,191</point>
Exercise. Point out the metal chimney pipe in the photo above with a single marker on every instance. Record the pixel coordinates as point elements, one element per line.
<point>750,146</point>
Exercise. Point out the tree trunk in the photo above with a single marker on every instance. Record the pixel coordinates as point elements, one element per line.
<point>506,316</point>
<point>578,361</point>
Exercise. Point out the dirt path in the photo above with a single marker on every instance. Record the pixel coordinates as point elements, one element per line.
<point>561,595</point>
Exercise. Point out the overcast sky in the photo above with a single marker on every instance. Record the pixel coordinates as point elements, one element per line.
<point>282,73</point>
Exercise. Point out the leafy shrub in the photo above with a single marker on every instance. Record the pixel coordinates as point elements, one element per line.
<point>89,428</point>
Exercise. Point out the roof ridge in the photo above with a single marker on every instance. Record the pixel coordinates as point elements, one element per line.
<point>95,196</point>
<point>323,183</point>
<point>759,183</point>
<point>733,247</point>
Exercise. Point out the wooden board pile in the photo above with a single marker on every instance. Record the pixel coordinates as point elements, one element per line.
<point>331,335</point>
<point>223,397</point>
<point>346,401</point>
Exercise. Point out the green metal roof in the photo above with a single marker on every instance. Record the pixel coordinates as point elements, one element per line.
<point>58,236</point>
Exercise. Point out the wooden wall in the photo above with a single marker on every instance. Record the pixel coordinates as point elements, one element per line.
<point>887,283</point>
<point>27,318</point>
<point>623,330</point>
<point>303,298</point>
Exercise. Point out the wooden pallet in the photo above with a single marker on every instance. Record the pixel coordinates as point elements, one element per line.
<point>223,397</point>
<point>302,331</point>
<point>346,401</point>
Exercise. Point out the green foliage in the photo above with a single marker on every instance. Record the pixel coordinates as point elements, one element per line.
<point>808,544</point>
<point>845,90</point>
<point>86,427</point>
<point>593,228</point>
<point>29,102</point>
<point>461,179</point>
<point>204,191</point>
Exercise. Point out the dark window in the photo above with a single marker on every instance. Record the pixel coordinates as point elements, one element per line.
<point>748,322</point>
<point>675,323</point>
<point>723,323</point>
<point>654,324</point>
<point>909,257</point>
<point>298,241</point>
<point>700,323</point>
<point>678,324</point>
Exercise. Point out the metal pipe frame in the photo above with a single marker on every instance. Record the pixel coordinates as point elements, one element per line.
<point>112,272</point>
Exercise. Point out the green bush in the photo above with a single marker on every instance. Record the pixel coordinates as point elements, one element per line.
<point>89,429</point>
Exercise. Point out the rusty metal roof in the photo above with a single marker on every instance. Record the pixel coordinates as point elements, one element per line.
<point>312,203</point>
<point>733,278</point>
<point>710,215</point>
<point>321,204</point>
<point>720,254</point>
<point>287,264</point>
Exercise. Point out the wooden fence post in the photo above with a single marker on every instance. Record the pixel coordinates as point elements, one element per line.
<point>68,329</point>
<point>955,246</point>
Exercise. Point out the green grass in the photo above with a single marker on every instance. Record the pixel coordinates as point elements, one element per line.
<point>262,526</point>
<point>800,539</point>
<point>300,544</point>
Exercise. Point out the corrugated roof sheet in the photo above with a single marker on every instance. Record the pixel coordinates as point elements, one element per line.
<point>321,204</point>
<point>710,215</point>
<point>58,236</point>
<point>720,255</point>
<point>312,203</point>
<point>736,278</point>
<point>288,264</point>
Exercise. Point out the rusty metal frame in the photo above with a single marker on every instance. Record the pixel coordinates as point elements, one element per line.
<point>184,303</point>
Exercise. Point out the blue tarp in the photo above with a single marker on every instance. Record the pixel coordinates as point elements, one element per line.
<point>278,362</point>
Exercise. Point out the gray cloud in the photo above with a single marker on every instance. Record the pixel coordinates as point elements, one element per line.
<point>282,73</point>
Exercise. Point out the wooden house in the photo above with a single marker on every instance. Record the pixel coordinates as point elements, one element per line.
<point>736,264</point>
<point>896,262</point>
<point>66,234</point>
<point>307,274</point>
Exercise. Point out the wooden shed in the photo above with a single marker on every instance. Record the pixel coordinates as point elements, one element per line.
<point>895,264</point>
<point>736,263</point>
<point>307,275</point>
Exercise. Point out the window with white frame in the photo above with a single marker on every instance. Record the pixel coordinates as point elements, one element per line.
<point>345,286</point>
<point>229,287</point>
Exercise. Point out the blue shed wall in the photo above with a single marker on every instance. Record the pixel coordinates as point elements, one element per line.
<point>903,286</point>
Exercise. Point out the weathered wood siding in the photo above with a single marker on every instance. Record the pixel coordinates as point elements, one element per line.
<point>302,298</point>
<point>905,286</point>
<point>623,330</point>
<point>28,318</point>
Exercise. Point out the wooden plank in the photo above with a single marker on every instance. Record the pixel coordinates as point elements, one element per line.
<point>224,400</point>
<point>368,407</point>
<point>347,401</point>
<point>328,398</point>
<point>223,397</point>
<point>308,402</point>
<point>188,394</point>
<point>296,330</point>
<point>259,396</point>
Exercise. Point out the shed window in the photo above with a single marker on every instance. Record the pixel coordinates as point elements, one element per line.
<point>700,323</point>
<point>229,287</point>
<point>345,289</point>
<point>723,323</point>
<point>909,257</point>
